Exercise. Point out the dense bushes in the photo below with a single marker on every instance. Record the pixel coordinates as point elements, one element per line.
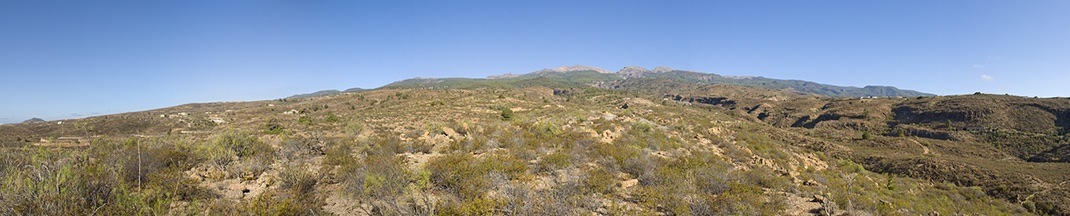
<point>468,177</point>
<point>379,176</point>
<point>107,178</point>
<point>458,173</point>
<point>236,154</point>
<point>554,161</point>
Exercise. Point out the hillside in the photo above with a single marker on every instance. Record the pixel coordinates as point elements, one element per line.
<point>316,94</point>
<point>558,143</point>
<point>33,120</point>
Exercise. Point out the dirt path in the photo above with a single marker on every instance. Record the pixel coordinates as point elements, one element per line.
<point>800,206</point>
<point>925,150</point>
<point>61,144</point>
<point>1060,185</point>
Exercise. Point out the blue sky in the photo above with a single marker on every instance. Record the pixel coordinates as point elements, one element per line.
<point>69,59</point>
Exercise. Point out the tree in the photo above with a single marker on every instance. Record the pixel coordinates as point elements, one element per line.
<point>865,135</point>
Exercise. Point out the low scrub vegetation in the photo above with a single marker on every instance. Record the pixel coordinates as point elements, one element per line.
<point>572,150</point>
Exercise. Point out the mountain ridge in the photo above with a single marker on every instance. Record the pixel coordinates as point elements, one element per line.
<point>630,72</point>
<point>597,75</point>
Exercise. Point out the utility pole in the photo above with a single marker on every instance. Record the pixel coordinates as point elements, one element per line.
<point>138,143</point>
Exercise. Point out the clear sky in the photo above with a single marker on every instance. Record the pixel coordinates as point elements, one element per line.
<point>69,59</point>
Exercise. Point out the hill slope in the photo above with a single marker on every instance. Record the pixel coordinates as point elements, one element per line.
<point>541,144</point>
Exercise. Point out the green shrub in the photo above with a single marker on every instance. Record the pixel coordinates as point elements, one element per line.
<point>599,181</point>
<point>305,120</point>
<point>237,153</point>
<point>243,145</point>
<point>467,176</point>
<point>507,165</point>
<point>507,114</point>
<point>273,127</point>
<point>644,127</point>
<point>850,166</point>
<point>339,154</point>
<point>331,117</point>
<point>628,158</point>
<point>457,173</point>
<point>545,130</point>
<point>279,203</point>
<point>379,177</point>
<point>554,161</point>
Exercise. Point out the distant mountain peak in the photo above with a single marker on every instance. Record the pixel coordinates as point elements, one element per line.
<point>564,69</point>
<point>33,120</point>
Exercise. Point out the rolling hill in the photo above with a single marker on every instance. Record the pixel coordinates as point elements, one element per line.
<point>556,142</point>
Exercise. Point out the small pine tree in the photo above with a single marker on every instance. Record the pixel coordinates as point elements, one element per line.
<point>865,135</point>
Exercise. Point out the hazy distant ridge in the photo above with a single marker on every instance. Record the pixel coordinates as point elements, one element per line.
<point>750,81</point>
<point>580,74</point>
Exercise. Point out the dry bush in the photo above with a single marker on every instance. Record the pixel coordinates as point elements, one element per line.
<point>377,176</point>
<point>554,161</point>
<point>301,148</point>
<point>298,179</point>
<point>458,174</point>
<point>599,181</point>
